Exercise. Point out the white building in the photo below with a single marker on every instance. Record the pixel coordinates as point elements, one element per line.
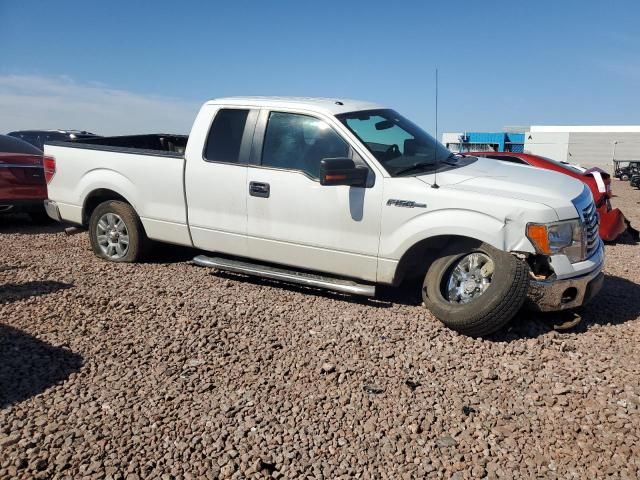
<point>586,145</point>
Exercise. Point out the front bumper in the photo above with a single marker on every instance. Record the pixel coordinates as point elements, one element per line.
<point>555,295</point>
<point>52,210</point>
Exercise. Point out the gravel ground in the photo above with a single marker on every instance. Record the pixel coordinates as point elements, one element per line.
<point>166,370</point>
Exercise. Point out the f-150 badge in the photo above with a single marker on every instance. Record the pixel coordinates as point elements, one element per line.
<point>392,202</point>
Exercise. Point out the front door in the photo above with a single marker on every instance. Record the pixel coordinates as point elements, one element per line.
<point>292,219</point>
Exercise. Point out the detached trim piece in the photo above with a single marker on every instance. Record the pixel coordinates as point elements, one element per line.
<point>292,276</point>
<point>52,210</point>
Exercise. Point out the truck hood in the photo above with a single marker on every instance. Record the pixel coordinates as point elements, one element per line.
<point>514,181</point>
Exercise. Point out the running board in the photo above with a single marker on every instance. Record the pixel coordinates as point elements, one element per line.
<point>293,276</point>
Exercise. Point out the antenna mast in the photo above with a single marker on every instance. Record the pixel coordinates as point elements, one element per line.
<point>435,159</point>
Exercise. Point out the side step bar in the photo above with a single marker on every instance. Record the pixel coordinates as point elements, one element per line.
<point>293,276</point>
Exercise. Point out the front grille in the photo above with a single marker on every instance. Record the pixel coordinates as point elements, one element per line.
<point>590,221</point>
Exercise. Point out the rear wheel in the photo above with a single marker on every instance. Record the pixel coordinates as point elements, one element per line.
<point>474,288</point>
<point>116,232</point>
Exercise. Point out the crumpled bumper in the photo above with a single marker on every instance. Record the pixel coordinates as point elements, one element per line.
<point>554,295</point>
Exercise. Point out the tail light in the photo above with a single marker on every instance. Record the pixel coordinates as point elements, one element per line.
<point>49,164</point>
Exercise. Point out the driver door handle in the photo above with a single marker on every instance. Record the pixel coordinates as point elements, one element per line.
<point>259,189</point>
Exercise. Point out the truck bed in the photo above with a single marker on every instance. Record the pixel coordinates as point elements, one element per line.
<point>146,170</point>
<point>160,144</point>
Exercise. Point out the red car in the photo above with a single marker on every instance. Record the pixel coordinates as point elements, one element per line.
<point>612,221</point>
<point>22,182</point>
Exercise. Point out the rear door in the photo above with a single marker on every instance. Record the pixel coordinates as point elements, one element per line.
<point>292,219</point>
<point>216,179</point>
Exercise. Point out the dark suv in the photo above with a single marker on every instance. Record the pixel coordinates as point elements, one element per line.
<point>38,138</point>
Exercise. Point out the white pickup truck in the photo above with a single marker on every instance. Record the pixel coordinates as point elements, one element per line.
<point>337,194</point>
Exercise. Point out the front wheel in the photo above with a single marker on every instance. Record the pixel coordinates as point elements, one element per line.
<point>474,288</point>
<point>116,232</point>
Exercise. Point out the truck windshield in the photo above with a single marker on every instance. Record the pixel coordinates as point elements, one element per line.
<point>398,144</point>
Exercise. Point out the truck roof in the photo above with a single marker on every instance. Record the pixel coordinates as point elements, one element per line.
<point>331,106</point>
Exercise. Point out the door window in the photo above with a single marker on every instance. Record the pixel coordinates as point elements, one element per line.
<point>299,142</point>
<point>225,136</point>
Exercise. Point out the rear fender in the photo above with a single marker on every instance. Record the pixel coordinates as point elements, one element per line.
<point>103,178</point>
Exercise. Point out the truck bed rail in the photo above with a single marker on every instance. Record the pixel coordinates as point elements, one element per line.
<point>164,145</point>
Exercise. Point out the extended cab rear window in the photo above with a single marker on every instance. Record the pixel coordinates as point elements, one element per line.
<point>225,136</point>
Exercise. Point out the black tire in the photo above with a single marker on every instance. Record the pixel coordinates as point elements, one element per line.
<point>138,242</point>
<point>492,310</point>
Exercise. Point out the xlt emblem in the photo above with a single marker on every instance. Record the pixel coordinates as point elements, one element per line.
<point>392,202</point>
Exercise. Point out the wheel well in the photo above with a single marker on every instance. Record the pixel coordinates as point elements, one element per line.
<point>418,258</point>
<point>95,198</point>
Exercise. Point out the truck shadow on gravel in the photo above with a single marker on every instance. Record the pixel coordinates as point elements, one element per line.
<point>29,366</point>
<point>618,302</point>
<point>12,292</point>
<point>22,224</point>
<point>165,253</point>
<point>385,297</point>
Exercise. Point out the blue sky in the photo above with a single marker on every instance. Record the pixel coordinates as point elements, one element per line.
<point>500,63</point>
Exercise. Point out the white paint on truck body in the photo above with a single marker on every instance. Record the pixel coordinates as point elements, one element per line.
<point>341,230</point>
<point>153,185</point>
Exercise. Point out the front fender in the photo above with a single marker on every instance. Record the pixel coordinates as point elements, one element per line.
<point>505,234</point>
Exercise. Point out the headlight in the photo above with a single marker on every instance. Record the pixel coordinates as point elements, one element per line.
<point>566,238</point>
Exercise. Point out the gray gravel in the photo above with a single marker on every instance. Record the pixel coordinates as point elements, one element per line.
<point>165,370</point>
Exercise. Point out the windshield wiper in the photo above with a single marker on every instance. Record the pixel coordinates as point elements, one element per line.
<point>415,166</point>
<point>455,157</point>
